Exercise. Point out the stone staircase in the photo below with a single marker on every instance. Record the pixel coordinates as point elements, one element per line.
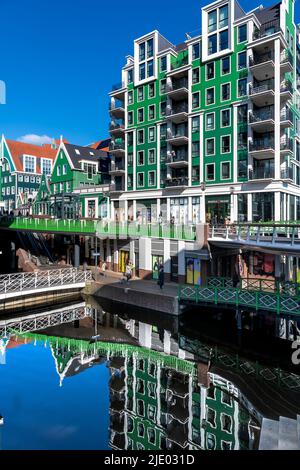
<point>280,435</point>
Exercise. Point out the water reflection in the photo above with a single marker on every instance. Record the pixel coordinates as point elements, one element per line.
<point>160,393</point>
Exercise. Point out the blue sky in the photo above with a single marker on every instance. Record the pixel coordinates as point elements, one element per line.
<point>59,58</point>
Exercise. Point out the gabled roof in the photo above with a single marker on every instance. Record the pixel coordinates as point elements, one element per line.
<point>18,149</point>
<point>101,145</point>
<point>78,153</point>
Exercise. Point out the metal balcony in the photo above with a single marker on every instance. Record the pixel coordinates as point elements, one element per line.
<point>177,160</point>
<point>262,120</point>
<point>286,145</point>
<point>118,90</point>
<point>176,182</point>
<point>178,90</point>
<point>262,147</point>
<point>117,128</point>
<point>117,149</point>
<point>178,138</point>
<point>117,169</point>
<point>117,109</point>
<point>178,113</point>
<point>261,174</point>
<point>116,188</point>
<point>262,92</point>
<point>287,173</point>
<point>179,62</point>
<point>286,62</point>
<point>266,30</point>
<point>286,118</point>
<point>286,90</point>
<point>262,65</point>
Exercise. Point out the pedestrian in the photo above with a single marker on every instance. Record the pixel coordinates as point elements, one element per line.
<point>161,276</point>
<point>104,268</point>
<point>128,272</point>
<point>85,265</point>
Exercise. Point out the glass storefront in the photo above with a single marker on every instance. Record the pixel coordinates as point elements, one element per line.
<point>242,207</point>
<point>179,210</point>
<point>193,271</point>
<point>263,207</point>
<point>217,209</point>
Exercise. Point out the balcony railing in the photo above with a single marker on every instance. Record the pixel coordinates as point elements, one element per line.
<point>261,144</point>
<point>113,187</point>
<point>286,144</point>
<point>285,57</point>
<point>118,86</point>
<point>286,115</point>
<point>117,104</point>
<point>261,87</point>
<point>178,84</point>
<point>286,86</point>
<point>261,58</point>
<point>180,62</point>
<point>116,125</point>
<point>176,135</point>
<point>287,173</point>
<point>267,29</point>
<point>178,157</point>
<point>262,115</point>
<point>180,181</point>
<point>183,108</point>
<point>261,173</point>
<point>114,146</point>
<point>117,167</point>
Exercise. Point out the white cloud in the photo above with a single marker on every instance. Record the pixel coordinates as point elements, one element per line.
<point>35,139</point>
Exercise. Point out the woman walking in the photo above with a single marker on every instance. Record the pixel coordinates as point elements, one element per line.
<point>161,276</point>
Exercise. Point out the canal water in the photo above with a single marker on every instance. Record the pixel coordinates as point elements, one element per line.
<point>84,377</point>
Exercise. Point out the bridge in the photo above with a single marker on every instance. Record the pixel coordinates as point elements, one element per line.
<point>99,228</point>
<point>274,237</point>
<point>20,284</point>
<point>252,294</point>
<point>40,321</point>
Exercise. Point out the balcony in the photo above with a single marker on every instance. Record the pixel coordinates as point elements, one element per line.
<point>117,169</point>
<point>180,181</point>
<point>262,93</point>
<point>262,65</point>
<point>266,30</point>
<point>117,128</point>
<point>179,64</point>
<point>286,118</point>
<point>177,138</point>
<point>178,114</point>
<point>178,90</point>
<point>286,90</point>
<point>117,149</point>
<point>117,109</point>
<point>177,159</point>
<point>118,90</point>
<point>261,174</point>
<point>286,145</point>
<point>286,62</point>
<point>287,174</point>
<point>262,147</point>
<point>116,188</point>
<point>262,120</point>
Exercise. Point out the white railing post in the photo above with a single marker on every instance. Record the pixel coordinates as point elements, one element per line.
<point>35,280</point>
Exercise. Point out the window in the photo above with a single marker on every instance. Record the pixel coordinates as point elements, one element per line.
<point>225,117</point>
<point>90,169</point>
<point>140,179</point>
<point>163,131</point>
<point>150,70</point>
<point>210,96</point>
<point>140,158</point>
<point>151,435</point>
<point>195,149</point>
<point>151,112</point>
<point>64,169</point>
<point>141,93</point>
<point>130,118</point>
<point>196,100</point>
<point>211,417</point>
<point>225,144</point>
<point>151,178</point>
<point>146,66</point>
<point>152,370</point>
<point>151,389</point>
<point>225,170</point>
<point>29,164</point>
<point>210,122</point>
<point>242,114</point>
<point>226,423</point>
<point>225,92</point>
<point>163,108</point>
<point>142,52</point>
<point>130,76</point>
<point>210,146</point>
<point>20,178</point>
<point>130,97</point>
<point>151,134</point>
<point>26,179</point>
<point>151,156</point>
<point>195,124</point>
<point>68,187</point>
<point>210,71</point>
<point>212,21</point>
<point>212,44</point>
<point>141,115</point>
<point>151,90</point>
<point>242,87</point>
<point>46,166</point>
<point>141,430</point>
<point>149,48</point>
<point>242,33</point>
<point>223,16</point>
<point>58,170</point>
<point>140,136</point>
<point>140,386</point>
<point>223,40</point>
<point>196,51</point>
<point>225,65</point>
<point>8,191</point>
<point>196,75</point>
<point>242,60</point>
<point>242,140</point>
<point>32,179</point>
<point>142,70</point>
<point>163,86</point>
<point>163,63</point>
<point>130,139</point>
<point>130,158</point>
<point>13,190</point>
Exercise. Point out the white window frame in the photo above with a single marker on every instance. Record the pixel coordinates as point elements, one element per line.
<point>199,71</point>
<point>154,152</point>
<point>138,153</point>
<point>24,164</point>
<point>143,133</point>
<point>210,88</point>
<point>130,93</point>
<point>154,180</point>
<point>237,88</point>
<point>151,106</point>
<point>230,148</point>
<point>221,68</point>
<point>138,120</point>
<point>137,92</point>
<point>221,176</point>
<point>238,29</point>
<point>130,113</point>
<point>214,165</point>
<point>154,87</point>
<point>221,94</point>
<point>137,179</point>
<point>221,125</point>
<point>210,154</point>
<point>237,62</point>
<point>196,93</point>
<point>213,128</point>
<point>206,66</point>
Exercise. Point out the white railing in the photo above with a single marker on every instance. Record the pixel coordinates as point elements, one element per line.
<point>274,234</point>
<point>41,321</point>
<point>20,282</point>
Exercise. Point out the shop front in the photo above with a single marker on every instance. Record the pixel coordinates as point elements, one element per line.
<point>193,271</point>
<point>217,209</point>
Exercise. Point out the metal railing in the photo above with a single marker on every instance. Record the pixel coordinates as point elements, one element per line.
<point>257,59</point>
<point>116,126</point>
<point>41,321</point>
<point>113,146</point>
<point>285,57</point>
<point>261,173</point>
<point>180,61</point>
<point>257,300</point>
<point>252,283</point>
<point>177,109</point>
<point>267,29</point>
<point>286,115</point>
<point>262,115</point>
<point>21,282</point>
<point>286,86</point>
<point>118,86</point>
<point>180,181</point>
<point>178,85</point>
<point>261,144</point>
<point>287,173</point>
<point>117,104</point>
<point>286,144</point>
<point>260,87</point>
<point>178,158</point>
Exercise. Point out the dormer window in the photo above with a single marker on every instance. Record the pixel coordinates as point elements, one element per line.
<point>77,151</point>
<point>90,169</point>
<point>29,164</point>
